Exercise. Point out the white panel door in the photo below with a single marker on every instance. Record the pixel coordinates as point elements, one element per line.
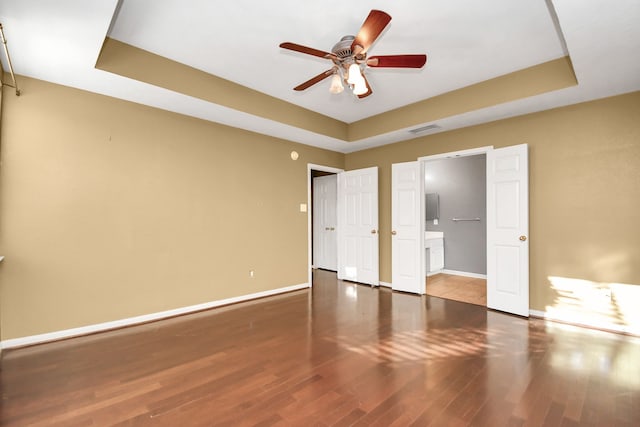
<point>358,226</point>
<point>507,230</point>
<point>325,222</point>
<point>406,228</point>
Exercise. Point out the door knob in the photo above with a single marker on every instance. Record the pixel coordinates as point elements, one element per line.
<point>523,238</point>
<point>327,228</point>
<point>393,233</point>
<point>374,231</point>
<point>332,229</point>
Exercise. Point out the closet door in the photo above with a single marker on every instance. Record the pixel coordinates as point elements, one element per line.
<point>325,242</point>
<point>358,226</point>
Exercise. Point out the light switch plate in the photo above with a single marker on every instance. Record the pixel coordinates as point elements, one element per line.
<point>303,207</point>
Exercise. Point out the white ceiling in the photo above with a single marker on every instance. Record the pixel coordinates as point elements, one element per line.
<point>466,41</point>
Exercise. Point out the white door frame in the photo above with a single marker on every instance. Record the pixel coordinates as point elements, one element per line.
<point>310,167</point>
<point>451,155</point>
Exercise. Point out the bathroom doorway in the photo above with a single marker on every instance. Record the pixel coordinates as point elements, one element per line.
<point>507,226</point>
<point>456,228</point>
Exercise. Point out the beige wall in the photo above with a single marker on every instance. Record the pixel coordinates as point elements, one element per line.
<point>112,209</point>
<point>584,172</point>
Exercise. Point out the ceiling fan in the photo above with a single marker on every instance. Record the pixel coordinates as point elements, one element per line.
<point>349,57</point>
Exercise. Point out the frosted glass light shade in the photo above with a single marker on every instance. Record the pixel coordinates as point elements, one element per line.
<point>336,84</point>
<point>354,74</point>
<point>360,88</point>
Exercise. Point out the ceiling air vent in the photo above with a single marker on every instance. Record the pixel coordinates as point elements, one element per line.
<point>423,129</point>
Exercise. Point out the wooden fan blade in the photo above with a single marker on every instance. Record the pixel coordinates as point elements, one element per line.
<point>397,61</point>
<point>375,23</point>
<point>307,50</point>
<point>369,91</point>
<point>320,77</point>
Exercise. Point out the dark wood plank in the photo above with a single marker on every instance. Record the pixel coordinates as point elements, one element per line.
<point>339,354</point>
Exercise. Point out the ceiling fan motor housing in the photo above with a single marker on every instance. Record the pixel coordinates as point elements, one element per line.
<point>342,49</point>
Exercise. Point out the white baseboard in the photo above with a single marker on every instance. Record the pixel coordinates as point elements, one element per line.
<point>611,327</point>
<point>101,327</point>
<point>465,274</point>
<point>385,284</point>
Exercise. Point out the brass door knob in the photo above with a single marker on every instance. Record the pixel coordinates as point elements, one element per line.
<point>332,229</point>
<point>393,233</point>
<point>374,231</point>
<point>523,238</point>
<point>327,228</point>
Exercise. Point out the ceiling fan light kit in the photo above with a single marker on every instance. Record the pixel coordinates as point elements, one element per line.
<point>336,84</point>
<point>349,56</point>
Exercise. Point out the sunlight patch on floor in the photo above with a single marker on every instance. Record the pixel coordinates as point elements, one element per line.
<point>598,304</point>
<point>417,345</point>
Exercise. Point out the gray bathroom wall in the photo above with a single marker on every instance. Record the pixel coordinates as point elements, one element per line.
<point>461,185</point>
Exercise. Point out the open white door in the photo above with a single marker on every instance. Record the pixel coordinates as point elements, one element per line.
<point>507,230</point>
<point>358,226</point>
<point>406,228</point>
<point>325,242</point>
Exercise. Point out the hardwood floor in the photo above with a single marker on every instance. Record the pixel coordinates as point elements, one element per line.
<point>458,288</point>
<point>341,354</point>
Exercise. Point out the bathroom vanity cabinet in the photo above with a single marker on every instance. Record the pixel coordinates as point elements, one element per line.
<point>434,246</point>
